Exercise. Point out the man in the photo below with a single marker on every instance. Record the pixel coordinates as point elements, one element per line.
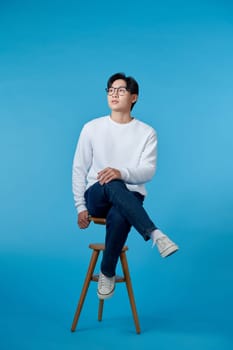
<point>114,158</point>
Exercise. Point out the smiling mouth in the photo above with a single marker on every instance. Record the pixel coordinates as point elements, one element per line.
<point>115,101</point>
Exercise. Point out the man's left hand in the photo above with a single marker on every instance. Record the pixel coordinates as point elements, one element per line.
<point>108,174</point>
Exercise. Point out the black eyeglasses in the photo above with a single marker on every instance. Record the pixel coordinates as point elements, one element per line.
<point>121,91</point>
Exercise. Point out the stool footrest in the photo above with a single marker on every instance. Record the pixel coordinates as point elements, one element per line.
<point>101,246</point>
<point>118,278</point>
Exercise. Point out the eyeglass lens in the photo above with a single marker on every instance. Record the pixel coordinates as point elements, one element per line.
<point>120,91</point>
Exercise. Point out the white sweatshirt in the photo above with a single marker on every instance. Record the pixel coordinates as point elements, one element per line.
<point>131,148</point>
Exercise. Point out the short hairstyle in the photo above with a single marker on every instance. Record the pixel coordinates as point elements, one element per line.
<point>131,84</point>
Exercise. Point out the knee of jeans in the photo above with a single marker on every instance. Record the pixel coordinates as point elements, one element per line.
<point>115,184</point>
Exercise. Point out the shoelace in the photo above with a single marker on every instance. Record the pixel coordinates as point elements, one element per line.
<point>106,282</point>
<point>101,280</point>
<point>163,242</point>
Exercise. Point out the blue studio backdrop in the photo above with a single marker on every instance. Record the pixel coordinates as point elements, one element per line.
<point>55,59</point>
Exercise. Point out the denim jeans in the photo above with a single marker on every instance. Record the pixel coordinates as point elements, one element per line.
<point>122,209</point>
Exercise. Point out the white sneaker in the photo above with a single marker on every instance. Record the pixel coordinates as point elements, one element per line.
<point>106,286</point>
<point>165,246</point>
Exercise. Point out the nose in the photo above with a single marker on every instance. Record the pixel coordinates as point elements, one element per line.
<point>116,92</point>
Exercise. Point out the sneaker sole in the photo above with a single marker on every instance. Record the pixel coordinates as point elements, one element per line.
<point>169,251</point>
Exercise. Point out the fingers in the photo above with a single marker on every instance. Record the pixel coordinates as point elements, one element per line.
<point>108,174</point>
<point>83,219</point>
<point>83,224</point>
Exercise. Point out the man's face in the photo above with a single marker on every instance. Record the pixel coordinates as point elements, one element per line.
<point>120,99</point>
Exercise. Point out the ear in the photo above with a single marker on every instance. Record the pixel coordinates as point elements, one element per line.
<point>134,98</point>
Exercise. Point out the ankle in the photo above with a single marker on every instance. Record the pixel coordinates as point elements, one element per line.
<point>155,235</point>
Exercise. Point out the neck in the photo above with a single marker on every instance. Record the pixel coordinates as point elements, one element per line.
<point>120,117</point>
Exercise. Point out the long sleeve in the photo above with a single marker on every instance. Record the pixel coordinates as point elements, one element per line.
<point>147,164</point>
<point>81,165</point>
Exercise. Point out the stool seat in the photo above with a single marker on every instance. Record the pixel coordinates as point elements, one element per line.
<point>100,221</point>
<point>91,276</point>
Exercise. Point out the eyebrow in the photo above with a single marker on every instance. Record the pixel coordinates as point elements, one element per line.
<point>118,87</point>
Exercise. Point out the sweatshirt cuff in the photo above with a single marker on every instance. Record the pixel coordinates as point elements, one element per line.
<point>124,174</point>
<point>81,208</point>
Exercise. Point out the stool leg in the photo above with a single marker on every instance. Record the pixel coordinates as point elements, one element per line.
<point>125,269</point>
<point>88,278</point>
<point>100,310</point>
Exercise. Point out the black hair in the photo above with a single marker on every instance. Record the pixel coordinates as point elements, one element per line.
<point>131,84</point>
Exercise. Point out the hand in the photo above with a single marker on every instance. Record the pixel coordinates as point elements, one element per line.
<point>83,219</point>
<point>108,174</point>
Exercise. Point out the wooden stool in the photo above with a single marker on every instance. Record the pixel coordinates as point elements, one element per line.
<point>90,276</point>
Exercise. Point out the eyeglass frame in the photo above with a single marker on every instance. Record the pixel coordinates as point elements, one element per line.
<point>120,87</point>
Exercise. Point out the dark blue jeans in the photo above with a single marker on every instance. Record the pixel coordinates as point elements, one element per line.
<point>122,209</point>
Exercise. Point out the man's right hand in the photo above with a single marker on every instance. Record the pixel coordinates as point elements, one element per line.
<point>83,219</point>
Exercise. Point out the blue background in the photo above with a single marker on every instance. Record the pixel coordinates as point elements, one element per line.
<point>55,59</point>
